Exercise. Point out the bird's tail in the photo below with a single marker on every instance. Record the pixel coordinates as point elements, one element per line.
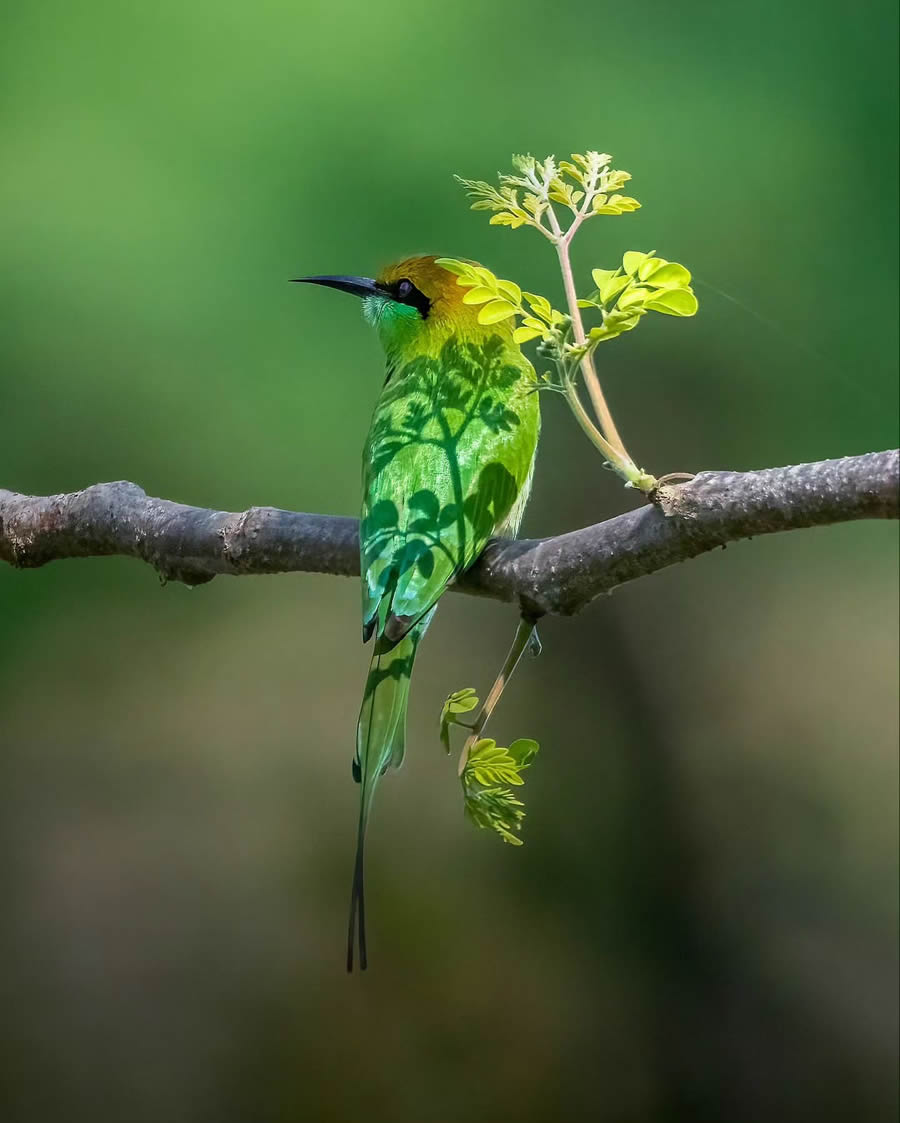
<point>380,744</point>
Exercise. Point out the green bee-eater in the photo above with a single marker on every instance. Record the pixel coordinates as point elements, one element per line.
<point>447,464</point>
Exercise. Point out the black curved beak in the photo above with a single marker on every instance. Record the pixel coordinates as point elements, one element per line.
<point>358,286</point>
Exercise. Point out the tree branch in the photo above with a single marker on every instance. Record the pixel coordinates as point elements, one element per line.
<point>546,575</point>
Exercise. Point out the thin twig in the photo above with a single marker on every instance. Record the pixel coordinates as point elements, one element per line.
<point>520,644</point>
<point>598,399</point>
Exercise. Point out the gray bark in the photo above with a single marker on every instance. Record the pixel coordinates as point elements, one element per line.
<point>545,575</point>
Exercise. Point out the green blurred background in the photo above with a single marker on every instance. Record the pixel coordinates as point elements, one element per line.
<point>702,924</point>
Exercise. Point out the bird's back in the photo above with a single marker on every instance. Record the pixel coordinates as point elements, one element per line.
<point>448,463</point>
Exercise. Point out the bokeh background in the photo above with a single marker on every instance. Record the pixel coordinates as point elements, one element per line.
<point>702,924</point>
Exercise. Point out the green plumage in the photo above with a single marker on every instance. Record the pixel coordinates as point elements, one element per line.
<point>449,453</point>
<point>447,464</point>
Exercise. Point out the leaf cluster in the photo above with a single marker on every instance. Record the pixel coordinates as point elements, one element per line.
<point>488,803</point>
<point>642,283</point>
<point>489,772</point>
<point>600,185</point>
<point>586,184</point>
<point>501,299</point>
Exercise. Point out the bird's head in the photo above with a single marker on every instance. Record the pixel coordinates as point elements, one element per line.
<point>413,305</point>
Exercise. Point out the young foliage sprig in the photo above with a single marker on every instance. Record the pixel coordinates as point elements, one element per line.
<point>488,804</point>
<point>460,702</point>
<point>586,186</point>
<point>486,771</point>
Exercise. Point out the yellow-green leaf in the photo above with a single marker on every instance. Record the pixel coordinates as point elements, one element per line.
<point>510,290</point>
<point>634,297</point>
<point>540,304</point>
<point>670,275</point>
<point>523,751</point>
<point>601,276</point>
<point>478,295</point>
<point>616,204</point>
<point>523,334</point>
<point>632,260</point>
<point>674,302</point>
<point>460,268</point>
<point>504,218</point>
<point>496,311</point>
<point>650,266</point>
<point>611,288</point>
<point>571,170</point>
<point>613,180</point>
<point>461,701</point>
<point>614,327</point>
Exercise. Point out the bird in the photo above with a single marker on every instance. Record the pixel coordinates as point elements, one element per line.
<point>447,464</point>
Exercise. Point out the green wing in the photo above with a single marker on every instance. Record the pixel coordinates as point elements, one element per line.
<point>448,461</point>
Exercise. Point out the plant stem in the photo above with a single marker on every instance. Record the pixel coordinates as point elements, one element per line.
<point>583,418</point>
<point>612,444</point>
<point>587,363</point>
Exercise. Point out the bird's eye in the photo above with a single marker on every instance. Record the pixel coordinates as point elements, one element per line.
<point>405,292</point>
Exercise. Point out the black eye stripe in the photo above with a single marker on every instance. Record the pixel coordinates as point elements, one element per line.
<point>405,292</point>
